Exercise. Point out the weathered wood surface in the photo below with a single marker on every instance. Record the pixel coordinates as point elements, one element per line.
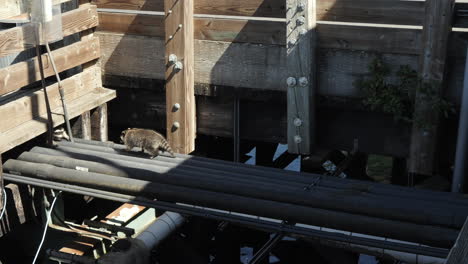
<point>459,252</point>
<point>205,28</point>
<point>301,83</point>
<point>99,124</point>
<point>23,73</point>
<point>364,11</point>
<point>35,127</point>
<point>179,42</point>
<point>377,133</point>
<point>435,42</point>
<point>240,65</point>
<point>13,40</point>
<point>86,125</point>
<point>18,110</point>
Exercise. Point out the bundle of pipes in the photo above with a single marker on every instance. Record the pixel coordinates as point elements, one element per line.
<point>389,211</point>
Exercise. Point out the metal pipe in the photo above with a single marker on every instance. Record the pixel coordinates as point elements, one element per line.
<point>389,208</point>
<point>427,234</point>
<point>272,173</point>
<point>165,225</point>
<point>264,224</point>
<point>461,156</point>
<point>61,91</point>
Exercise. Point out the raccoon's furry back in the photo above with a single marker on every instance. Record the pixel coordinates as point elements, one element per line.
<point>146,139</point>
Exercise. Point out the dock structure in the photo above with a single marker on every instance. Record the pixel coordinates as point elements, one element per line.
<point>337,81</point>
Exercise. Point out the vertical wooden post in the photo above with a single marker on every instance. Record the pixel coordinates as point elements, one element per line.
<point>86,125</point>
<point>436,31</point>
<point>301,42</point>
<point>99,124</point>
<point>180,97</point>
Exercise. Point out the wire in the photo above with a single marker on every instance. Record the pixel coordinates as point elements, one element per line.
<point>45,228</point>
<point>62,94</point>
<point>4,204</point>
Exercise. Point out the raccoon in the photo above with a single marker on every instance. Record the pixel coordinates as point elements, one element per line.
<point>60,134</point>
<point>146,139</point>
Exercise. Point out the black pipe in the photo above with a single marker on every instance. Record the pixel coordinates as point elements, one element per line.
<point>318,182</point>
<point>271,173</point>
<point>246,220</point>
<point>341,200</point>
<point>426,234</point>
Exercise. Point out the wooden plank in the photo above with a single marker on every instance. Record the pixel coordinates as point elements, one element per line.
<point>259,8</point>
<point>34,128</point>
<point>260,67</point>
<point>372,11</point>
<point>437,28</point>
<point>17,111</point>
<point>459,252</point>
<point>301,69</point>
<point>99,124</point>
<point>181,125</point>
<point>13,40</point>
<point>206,28</point>
<point>23,73</point>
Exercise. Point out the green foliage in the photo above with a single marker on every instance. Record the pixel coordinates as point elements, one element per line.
<point>398,98</point>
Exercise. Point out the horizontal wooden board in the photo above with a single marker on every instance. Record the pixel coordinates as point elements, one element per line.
<point>23,73</point>
<point>206,28</point>
<point>237,65</point>
<point>382,38</point>
<point>36,127</point>
<point>259,8</point>
<point>16,111</point>
<point>20,38</point>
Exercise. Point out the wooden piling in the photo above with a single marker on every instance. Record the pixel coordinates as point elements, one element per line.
<point>435,39</point>
<point>179,58</point>
<point>301,80</point>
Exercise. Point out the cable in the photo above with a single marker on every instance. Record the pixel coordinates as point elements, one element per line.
<point>62,93</point>
<point>4,204</point>
<point>45,228</point>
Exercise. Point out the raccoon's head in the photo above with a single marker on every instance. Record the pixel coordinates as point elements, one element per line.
<point>122,135</point>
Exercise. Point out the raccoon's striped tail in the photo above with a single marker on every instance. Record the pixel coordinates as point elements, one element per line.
<point>167,148</point>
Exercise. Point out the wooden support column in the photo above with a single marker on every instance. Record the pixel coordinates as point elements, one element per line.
<point>436,31</point>
<point>301,43</point>
<point>180,96</point>
<point>99,124</point>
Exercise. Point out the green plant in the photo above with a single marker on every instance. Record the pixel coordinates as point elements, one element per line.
<point>398,98</point>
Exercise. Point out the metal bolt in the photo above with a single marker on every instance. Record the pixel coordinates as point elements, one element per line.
<point>171,37</point>
<point>176,107</point>
<point>303,81</point>
<point>292,42</point>
<point>176,125</point>
<point>301,7</point>
<point>180,26</point>
<point>297,139</point>
<point>302,32</point>
<point>291,81</point>
<point>172,58</point>
<point>170,11</point>
<point>301,21</point>
<point>178,66</point>
<point>297,122</point>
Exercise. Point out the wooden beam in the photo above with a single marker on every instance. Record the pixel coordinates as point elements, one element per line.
<point>13,40</point>
<point>86,125</point>
<point>301,68</point>
<point>260,8</point>
<point>179,61</point>
<point>459,252</point>
<point>206,28</point>
<point>23,73</point>
<point>99,124</point>
<point>26,107</point>
<point>35,127</point>
<point>436,31</point>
